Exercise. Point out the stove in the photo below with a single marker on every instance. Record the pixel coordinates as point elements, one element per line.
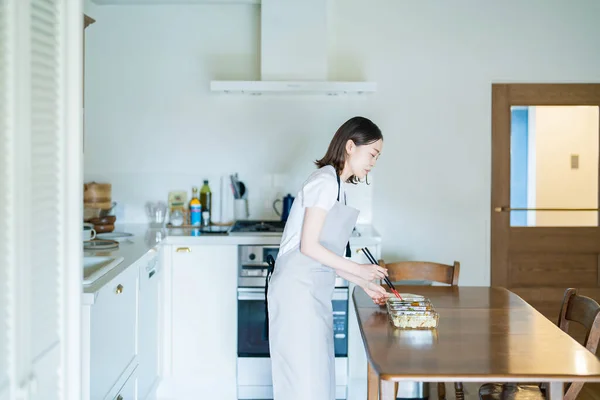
<point>260,228</point>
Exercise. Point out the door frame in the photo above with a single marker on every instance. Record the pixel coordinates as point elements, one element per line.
<point>523,94</point>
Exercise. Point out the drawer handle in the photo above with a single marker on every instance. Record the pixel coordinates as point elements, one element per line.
<point>184,250</point>
<point>119,289</point>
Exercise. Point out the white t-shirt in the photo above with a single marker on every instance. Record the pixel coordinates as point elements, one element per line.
<point>319,190</point>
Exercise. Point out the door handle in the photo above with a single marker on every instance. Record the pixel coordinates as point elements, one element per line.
<point>504,209</point>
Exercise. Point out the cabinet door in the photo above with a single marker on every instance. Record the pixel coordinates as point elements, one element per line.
<point>148,327</point>
<point>129,391</point>
<point>204,318</point>
<point>113,332</point>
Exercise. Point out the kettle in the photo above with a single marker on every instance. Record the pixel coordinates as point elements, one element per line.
<point>286,206</point>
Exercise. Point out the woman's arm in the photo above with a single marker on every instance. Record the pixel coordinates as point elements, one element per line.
<point>361,274</point>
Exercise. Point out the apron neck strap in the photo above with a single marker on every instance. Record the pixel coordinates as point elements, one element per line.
<point>339,188</point>
<point>348,251</point>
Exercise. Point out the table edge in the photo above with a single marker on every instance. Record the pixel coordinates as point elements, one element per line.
<point>488,378</point>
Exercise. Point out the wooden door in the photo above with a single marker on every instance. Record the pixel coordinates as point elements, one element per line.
<point>545,235</point>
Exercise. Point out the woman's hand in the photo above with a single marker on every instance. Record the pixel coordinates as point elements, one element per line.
<point>376,293</point>
<point>370,272</point>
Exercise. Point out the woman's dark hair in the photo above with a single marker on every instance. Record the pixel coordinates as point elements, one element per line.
<point>361,131</point>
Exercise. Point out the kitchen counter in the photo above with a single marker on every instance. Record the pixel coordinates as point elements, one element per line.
<point>131,250</point>
<point>146,239</point>
<point>363,235</point>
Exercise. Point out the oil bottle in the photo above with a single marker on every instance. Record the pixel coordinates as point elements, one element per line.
<point>206,203</point>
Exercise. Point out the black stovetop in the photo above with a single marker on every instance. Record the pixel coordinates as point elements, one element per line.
<point>257,227</point>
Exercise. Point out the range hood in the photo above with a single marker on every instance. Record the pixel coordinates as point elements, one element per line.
<point>293,55</point>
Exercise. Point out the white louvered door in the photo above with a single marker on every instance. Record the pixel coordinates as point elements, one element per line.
<point>42,205</point>
<point>6,212</point>
<point>45,214</point>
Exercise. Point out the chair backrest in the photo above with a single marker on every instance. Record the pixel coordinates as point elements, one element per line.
<point>585,311</point>
<point>422,270</point>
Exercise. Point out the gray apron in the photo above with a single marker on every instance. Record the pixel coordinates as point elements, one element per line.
<point>300,315</point>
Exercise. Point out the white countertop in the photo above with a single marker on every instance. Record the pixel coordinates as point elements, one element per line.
<point>146,239</point>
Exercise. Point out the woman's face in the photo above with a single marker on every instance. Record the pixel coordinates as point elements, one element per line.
<point>362,159</point>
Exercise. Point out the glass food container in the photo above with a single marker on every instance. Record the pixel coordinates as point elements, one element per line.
<point>412,313</point>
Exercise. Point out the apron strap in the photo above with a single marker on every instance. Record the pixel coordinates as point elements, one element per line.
<point>270,268</point>
<point>348,251</point>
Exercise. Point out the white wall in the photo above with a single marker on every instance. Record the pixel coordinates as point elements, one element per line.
<point>559,133</point>
<point>152,125</point>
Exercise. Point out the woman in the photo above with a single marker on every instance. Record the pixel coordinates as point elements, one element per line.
<point>311,253</point>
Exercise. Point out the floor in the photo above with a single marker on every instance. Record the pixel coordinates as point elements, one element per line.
<point>590,391</point>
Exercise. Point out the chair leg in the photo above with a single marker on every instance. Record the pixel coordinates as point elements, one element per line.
<point>372,383</point>
<point>441,389</point>
<point>458,389</point>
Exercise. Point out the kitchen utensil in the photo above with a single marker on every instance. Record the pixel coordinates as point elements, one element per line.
<point>367,253</point>
<point>105,213</point>
<point>240,209</point>
<point>285,208</point>
<point>235,187</point>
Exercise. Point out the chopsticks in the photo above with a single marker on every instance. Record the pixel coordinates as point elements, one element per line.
<point>367,253</point>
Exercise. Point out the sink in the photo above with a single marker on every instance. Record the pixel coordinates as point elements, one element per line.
<point>95,266</point>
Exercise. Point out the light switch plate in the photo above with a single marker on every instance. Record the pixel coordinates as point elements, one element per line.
<point>574,161</point>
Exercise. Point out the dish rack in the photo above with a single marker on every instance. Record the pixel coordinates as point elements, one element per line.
<point>412,313</point>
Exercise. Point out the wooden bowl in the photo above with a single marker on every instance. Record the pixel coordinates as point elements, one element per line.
<point>104,228</point>
<point>108,220</point>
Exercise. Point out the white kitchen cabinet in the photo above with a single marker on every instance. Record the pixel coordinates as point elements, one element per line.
<point>129,390</point>
<point>121,333</point>
<point>147,371</point>
<point>200,323</point>
<point>109,335</point>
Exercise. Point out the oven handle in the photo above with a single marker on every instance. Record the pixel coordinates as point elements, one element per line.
<point>251,293</point>
<point>259,294</point>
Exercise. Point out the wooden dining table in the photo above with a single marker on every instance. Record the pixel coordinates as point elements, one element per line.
<point>484,334</point>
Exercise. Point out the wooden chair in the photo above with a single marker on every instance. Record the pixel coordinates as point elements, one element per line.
<point>427,271</point>
<point>575,308</point>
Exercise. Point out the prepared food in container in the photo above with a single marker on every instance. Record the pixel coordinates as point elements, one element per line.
<point>416,313</point>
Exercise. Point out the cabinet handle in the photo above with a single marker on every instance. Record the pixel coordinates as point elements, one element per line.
<point>119,289</point>
<point>184,250</point>
<point>119,397</point>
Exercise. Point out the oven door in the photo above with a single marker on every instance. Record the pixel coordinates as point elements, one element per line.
<point>253,363</point>
<point>251,334</point>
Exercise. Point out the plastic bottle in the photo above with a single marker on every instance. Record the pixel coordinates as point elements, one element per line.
<point>206,202</point>
<point>195,208</point>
